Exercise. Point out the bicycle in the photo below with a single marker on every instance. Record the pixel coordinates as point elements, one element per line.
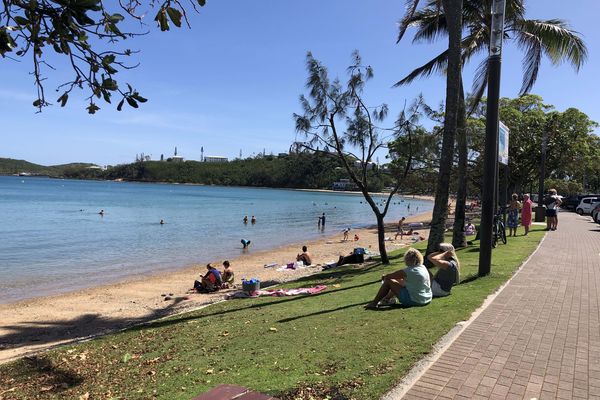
<point>499,230</point>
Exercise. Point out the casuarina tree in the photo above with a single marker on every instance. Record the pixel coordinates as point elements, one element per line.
<point>336,118</point>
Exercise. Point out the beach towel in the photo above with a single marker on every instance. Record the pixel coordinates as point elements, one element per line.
<point>278,292</point>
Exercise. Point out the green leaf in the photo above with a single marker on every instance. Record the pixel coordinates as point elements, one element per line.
<point>161,18</point>
<point>21,20</point>
<point>201,3</point>
<point>132,102</point>
<point>37,103</point>
<point>175,16</point>
<point>92,108</point>
<point>126,357</point>
<point>139,98</point>
<point>63,99</point>
<point>115,18</point>
<point>120,105</point>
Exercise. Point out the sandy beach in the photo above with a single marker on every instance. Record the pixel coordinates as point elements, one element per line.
<point>41,323</point>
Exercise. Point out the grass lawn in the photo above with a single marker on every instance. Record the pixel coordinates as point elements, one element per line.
<point>324,346</point>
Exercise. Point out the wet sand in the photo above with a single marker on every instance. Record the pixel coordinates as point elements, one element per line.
<point>41,323</point>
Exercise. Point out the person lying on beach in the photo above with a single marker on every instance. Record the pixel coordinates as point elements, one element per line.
<point>209,282</point>
<point>411,285</point>
<point>448,273</point>
<point>305,256</point>
<point>227,276</point>
<point>353,258</point>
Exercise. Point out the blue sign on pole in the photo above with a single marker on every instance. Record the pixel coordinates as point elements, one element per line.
<point>503,133</point>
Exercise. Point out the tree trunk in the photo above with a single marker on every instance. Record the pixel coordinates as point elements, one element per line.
<point>381,240</point>
<point>453,12</point>
<point>459,238</point>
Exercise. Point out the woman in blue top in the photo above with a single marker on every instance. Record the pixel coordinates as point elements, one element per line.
<point>448,273</point>
<point>410,285</point>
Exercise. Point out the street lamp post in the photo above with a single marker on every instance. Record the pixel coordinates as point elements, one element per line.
<point>491,138</point>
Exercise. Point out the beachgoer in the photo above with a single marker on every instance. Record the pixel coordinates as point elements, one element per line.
<point>162,221</point>
<point>448,273</point>
<point>408,207</point>
<point>526,213</point>
<point>101,213</point>
<point>411,285</point>
<point>245,243</point>
<point>400,230</point>
<point>253,220</point>
<point>245,219</point>
<point>323,220</point>
<point>470,229</point>
<point>227,276</point>
<point>346,232</point>
<point>209,282</point>
<point>552,202</point>
<point>304,256</point>
<point>319,223</point>
<point>356,238</point>
<point>513,215</point>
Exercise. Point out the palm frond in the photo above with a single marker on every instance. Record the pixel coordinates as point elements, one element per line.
<point>404,23</point>
<point>531,59</point>
<point>558,41</point>
<point>430,23</point>
<point>479,84</point>
<point>437,64</point>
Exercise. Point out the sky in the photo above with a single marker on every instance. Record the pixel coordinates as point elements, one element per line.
<point>231,83</point>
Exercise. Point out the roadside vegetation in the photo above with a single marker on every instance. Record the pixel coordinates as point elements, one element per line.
<point>324,346</point>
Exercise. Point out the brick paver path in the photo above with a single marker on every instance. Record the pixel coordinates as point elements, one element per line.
<point>540,337</point>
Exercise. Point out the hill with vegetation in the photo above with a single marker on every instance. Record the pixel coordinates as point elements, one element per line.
<point>297,170</point>
<point>9,166</point>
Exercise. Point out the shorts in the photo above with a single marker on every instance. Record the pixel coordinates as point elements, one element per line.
<point>550,212</point>
<point>437,290</point>
<point>404,298</point>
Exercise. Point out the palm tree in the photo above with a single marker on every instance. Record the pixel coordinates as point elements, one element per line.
<point>551,38</point>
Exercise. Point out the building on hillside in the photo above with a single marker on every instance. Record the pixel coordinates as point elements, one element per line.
<point>344,184</point>
<point>215,159</point>
<point>175,159</point>
<point>282,155</point>
<point>370,165</point>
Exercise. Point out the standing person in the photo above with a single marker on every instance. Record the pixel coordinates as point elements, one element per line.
<point>552,202</point>
<point>411,285</point>
<point>323,220</point>
<point>526,213</point>
<point>513,215</point>
<point>253,220</point>
<point>245,219</point>
<point>346,232</point>
<point>400,230</point>
<point>319,223</point>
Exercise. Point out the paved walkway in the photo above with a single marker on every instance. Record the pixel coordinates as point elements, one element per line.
<point>540,337</point>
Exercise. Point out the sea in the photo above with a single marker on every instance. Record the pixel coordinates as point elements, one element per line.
<point>53,239</point>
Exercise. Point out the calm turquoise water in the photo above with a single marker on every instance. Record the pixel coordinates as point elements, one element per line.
<point>53,240</point>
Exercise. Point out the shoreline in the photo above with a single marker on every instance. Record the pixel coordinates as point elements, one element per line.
<point>39,323</point>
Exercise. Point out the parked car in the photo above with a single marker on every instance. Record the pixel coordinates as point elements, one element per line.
<point>586,205</point>
<point>596,213</point>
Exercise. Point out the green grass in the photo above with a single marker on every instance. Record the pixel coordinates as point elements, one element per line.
<point>295,347</point>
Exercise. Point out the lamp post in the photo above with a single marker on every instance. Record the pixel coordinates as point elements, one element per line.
<point>490,165</point>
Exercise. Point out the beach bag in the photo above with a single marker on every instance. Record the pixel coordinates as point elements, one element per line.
<point>359,250</point>
<point>250,286</point>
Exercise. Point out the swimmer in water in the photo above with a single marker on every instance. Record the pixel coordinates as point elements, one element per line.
<point>162,221</point>
<point>101,212</point>
<point>245,219</point>
<point>253,220</point>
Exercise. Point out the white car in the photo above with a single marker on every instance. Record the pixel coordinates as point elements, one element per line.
<point>586,205</point>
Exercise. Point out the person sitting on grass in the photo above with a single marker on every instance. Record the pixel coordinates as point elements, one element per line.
<point>305,256</point>
<point>410,285</point>
<point>209,282</point>
<point>448,273</point>
<point>227,276</point>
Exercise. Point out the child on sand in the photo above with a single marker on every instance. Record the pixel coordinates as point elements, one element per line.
<point>227,276</point>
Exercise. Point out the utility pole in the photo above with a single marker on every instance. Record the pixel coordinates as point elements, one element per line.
<point>490,166</point>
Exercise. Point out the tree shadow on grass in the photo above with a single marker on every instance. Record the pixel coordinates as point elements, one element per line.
<point>49,376</point>
<point>40,333</point>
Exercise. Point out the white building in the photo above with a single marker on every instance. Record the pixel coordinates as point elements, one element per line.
<point>215,159</point>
